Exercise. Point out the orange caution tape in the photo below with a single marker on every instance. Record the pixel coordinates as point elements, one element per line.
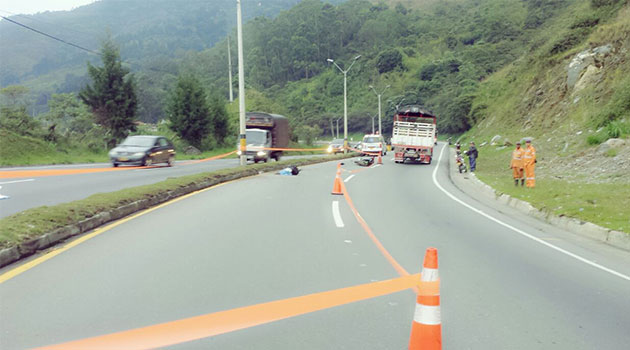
<point>296,149</point>
<point>211,158</point>
<point>176,332</point>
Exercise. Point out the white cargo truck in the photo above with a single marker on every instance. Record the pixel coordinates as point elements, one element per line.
<point>414,134</point>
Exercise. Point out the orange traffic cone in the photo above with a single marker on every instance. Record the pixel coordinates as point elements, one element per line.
<point>426,329</point>
<point>337,186</point>
<point>380,160</point>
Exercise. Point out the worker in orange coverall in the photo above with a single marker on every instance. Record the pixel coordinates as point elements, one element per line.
<point>529,162</point>
<point>517,164</point>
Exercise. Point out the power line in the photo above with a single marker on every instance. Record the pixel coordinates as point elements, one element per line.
<point>50,36</point>
<point>79,47</point>
<point>36,19</point>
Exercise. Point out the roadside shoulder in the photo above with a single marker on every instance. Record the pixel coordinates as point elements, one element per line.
<point>471,185</point>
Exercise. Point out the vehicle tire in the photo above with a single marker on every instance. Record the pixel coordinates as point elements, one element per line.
<point>147,161</point>
<point>266,159</point>
<point>255,161</point>
<point>115,165</point>
<point>171,161</point>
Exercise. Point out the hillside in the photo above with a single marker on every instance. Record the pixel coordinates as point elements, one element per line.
<point>150,34</point>
<point>570,101</point>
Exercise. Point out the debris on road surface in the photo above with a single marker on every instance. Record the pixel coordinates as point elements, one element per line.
<point>3,196</point>
<point>365,161</point>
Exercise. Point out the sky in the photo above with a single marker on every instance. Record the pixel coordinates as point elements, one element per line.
<point>34,6</point>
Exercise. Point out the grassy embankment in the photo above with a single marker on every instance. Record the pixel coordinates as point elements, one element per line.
<point>607,205</point>
<point>530,99</point>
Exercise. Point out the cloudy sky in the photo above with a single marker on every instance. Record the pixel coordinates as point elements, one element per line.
<point>34,6</point>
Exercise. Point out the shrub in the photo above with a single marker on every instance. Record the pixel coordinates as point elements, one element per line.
<point>569,40</point>
<point>597,138</point>
<point>389,60</point>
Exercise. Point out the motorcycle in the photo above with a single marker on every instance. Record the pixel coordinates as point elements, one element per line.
<point>461,163</point>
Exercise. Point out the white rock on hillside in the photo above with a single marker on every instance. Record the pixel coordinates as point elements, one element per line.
<point>583,60</point>
<point>611,143</point>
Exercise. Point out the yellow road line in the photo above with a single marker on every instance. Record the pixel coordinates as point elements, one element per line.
<point>29,265</point>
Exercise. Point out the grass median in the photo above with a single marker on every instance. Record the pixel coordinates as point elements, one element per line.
<point>32,223</point>
<point>604,204</point>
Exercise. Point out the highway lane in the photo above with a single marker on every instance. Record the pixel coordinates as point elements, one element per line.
<point>30,192</point>
<point>500,290</point>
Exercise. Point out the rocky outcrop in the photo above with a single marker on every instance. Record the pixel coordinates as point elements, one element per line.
<point>581,63</point>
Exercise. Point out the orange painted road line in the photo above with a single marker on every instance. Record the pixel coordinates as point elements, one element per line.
<point>401,270</point>
<point>55,172</point>
<point>217,323</point>
<point>58,172</point>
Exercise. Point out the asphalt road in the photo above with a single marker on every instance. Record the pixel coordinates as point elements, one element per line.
<point>274,237</point>
<point>34,191</point>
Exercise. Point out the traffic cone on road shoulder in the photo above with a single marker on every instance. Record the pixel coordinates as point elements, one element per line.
<point>426,329</point>
<point>380,159</point>
<point>337,185</point>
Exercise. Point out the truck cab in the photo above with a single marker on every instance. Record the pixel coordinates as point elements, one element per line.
<point>258,141</point>
<point>266,136</point>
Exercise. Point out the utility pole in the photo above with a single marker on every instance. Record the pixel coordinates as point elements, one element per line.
<point>345,100</point>
<point>230,69</point>
<point>241,84</point>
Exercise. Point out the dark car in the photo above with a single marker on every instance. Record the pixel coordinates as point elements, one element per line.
<point>143,150</point>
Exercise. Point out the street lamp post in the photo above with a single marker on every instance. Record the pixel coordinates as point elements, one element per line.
<point>241,84</point>
<point>372,117</point>
<point>230,70</point>
<point>379,106</point>
<point>345,100</point>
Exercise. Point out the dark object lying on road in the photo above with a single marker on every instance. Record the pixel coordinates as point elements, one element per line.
<point>292,170</point>
<point>365,161</point>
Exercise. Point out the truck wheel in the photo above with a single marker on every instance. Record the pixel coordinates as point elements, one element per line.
<point>266,159</point>
<point>115,164</point>
<point>255,161</point>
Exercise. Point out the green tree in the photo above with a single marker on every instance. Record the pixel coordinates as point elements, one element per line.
<point>188,111</point>
<point>308,133</point>
<point>389,60</point>
<point>112,96</point>
<point>219,117</point>
<point>13,114</point>
<point>68,115</point>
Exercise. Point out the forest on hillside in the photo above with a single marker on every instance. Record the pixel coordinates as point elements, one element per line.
<point>436,54</point>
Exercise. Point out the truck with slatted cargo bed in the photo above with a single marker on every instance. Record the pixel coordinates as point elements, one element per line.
<point>414,134</point>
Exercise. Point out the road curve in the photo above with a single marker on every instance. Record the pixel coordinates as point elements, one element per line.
<point>274,237</point>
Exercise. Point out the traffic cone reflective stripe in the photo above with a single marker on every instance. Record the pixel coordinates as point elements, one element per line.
<point>426,329</point>
<point>337,185</point>
<point>429,275</point>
